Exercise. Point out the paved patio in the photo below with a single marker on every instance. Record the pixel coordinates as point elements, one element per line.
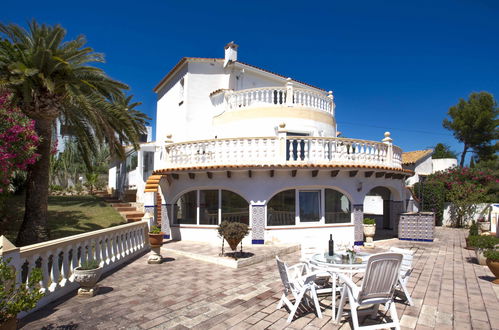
<point>450,291</point>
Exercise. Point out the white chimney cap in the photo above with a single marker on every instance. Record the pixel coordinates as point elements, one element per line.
<point>230,53</point>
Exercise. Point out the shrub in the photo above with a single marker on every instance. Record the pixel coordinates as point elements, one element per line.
<point>473,229</point>
<point>483,242</point>
<point>493,255</point>
<point>433,195</point>
<point>17,298</point>
<point>233,232</point>
<point>90,264</point>
<point>369,221</point>
<point>155,230</point>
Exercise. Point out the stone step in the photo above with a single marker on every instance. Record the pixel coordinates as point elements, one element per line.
<point>124,208</point>
<point>120,204</point>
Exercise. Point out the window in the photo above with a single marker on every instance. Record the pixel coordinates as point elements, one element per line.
<point>208,207</point>
<point>186,208</point>
<point>131,161</point>
<point>211,203</point>
<point>181,92</point>
<point>337,207</point>
<point>281,209</point>
<point>148,162</point>
<point>234,207</point>
<point>310,206</point>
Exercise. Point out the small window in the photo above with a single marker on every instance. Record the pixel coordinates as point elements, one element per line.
<point>281,209</point>
<point>234,207</point>
<point>208,207</point>
<point>186,208</point>
<point>181,92</point>
<point>337,207</point>
<point>310,206</point>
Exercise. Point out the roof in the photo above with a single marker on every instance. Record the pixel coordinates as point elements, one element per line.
<point>185,60</point>
<point>411,157</point>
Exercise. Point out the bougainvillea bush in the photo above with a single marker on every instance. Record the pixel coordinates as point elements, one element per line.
<point>18,141</point>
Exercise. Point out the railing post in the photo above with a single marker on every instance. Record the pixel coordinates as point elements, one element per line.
<point>10,251</point>
<point>281,143</point>
<point>289,92</point>
<point>331,102</point>
<point>389,153</point>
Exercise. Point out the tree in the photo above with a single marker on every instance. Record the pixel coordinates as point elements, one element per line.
<point>51,78</point>
<point>474,122</point>
<point>442,150</point>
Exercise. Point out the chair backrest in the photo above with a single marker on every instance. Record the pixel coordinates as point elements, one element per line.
<point>381,276</point>
<point>283,272</point>
<point>406,266</point>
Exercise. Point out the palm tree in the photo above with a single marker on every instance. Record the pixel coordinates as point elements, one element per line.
<point>51,78</point>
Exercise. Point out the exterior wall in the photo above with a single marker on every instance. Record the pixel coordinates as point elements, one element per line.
<point>480,213</point>
<point>424,167</point>
<point>443,164</point>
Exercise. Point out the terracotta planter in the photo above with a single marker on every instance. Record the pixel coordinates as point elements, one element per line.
<point>481,258</point>
<point>156,239</point>
<point>494,268</point>
<point>369,230</point>
<point>87,279</point>
<point>10,324</point>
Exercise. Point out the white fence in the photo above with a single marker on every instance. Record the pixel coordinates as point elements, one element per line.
<point>58,258</point>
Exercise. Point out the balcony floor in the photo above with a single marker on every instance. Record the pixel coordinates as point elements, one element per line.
<point>449,290</point>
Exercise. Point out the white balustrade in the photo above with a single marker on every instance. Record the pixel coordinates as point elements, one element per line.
<point>277,96</point>
<point>58,258</point>
<point>268,150</point>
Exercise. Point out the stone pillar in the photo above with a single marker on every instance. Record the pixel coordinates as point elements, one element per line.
<point>358,218</point>
<point>396,208</point>
<point>257,223</point>
<point>165,222</point>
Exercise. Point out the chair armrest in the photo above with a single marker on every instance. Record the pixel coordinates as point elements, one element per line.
<point>348,281</point>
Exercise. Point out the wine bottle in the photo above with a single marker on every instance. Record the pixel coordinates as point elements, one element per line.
<point>331,245</point>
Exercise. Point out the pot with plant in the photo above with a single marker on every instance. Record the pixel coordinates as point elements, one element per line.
<point>482,243</point>
<point>493,262</point>
<point>87,275</point>
<point>233,233</point>
<point>473,231</point>
<point>16,298</point>
<point>484,225</point>
<point>155,240</point>
<point>369,225</point>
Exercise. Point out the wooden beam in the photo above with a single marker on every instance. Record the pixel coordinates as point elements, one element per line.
<point>314,173</point>
<point>271,173</point>
<point>229,174</point>
<point>380,174</point>
<point>293,173</point>
<point>353,173</point>
<point>388,175</point>
<point>368,174</point>
<point>334,173</point>
<point>210,175</point>
<point>250,174</point>
<point>192,176</point>
<point>175,176</point>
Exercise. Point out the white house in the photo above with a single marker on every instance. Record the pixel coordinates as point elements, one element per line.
<point>237,142</point>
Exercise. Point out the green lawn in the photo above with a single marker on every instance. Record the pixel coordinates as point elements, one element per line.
<point>68,215</point>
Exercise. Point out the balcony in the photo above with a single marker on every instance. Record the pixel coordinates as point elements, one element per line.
<point>283,150</point>
<point>288,96</point>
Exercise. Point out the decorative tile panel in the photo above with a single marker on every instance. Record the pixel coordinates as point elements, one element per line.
<point>257,224</point>
<point>358,217</point>
<point>165,219</point>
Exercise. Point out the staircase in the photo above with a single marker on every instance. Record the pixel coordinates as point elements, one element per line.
<point>127,211</point>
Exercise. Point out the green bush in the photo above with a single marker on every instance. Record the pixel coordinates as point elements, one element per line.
<point>483,242</point>
<point>473,229</point>
<point>90,264</point>
<point>493,255</point>
<point>17,298</point>
<point>433,196</point>
<point>233,232</point>
<point>155,230</point>
<point>369,221</point>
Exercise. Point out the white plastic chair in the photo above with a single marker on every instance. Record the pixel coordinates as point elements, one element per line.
<point>378,287</point>
<point>308,250</point>
<point>405,272</point>
<point>299,283</point>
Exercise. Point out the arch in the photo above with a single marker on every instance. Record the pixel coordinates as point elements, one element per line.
<point>177,195</point>
<point>339,189</point>
<point>395,191</point>
<point>337,209</point>
<point>377,200</point>
<point>281,208</point>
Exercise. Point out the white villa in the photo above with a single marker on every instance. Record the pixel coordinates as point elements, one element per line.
<point>237,142</point>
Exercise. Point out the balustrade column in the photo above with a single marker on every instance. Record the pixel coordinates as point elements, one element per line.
<point>289,92</point>
<point>389,154</point>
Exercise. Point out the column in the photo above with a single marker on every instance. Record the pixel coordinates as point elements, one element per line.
<point>396,207</point>
<point>358,218</point>
<point>166,211</point>
<point>257,223</point>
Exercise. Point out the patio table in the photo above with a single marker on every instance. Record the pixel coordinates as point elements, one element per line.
<point>336,264</point>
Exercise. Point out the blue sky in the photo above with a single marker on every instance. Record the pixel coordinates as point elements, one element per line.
<point>393,65</point>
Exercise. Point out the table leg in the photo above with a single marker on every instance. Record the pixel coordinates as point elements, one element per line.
<point>333,298</point>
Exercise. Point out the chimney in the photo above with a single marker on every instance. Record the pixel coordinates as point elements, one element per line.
<point>230,53</point>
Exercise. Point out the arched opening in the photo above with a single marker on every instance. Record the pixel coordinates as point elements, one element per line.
<point>377,206</point>
<point>338,207</point>
<point>210,207</point>
<point>281,209</point>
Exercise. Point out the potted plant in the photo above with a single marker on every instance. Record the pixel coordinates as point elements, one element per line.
<point>482,243</point>
<point>87,275</point>
<point>233,233</point>
<point>369,231</point>
<point>155,236</point>
<point>16,298</point>
<point>473,231</point>
<point>493,263</point>
<point>484,225</point>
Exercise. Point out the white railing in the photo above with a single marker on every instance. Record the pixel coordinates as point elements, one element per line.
<point>282,150</point>
<point>289,96</point>
<point>58,258</point>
